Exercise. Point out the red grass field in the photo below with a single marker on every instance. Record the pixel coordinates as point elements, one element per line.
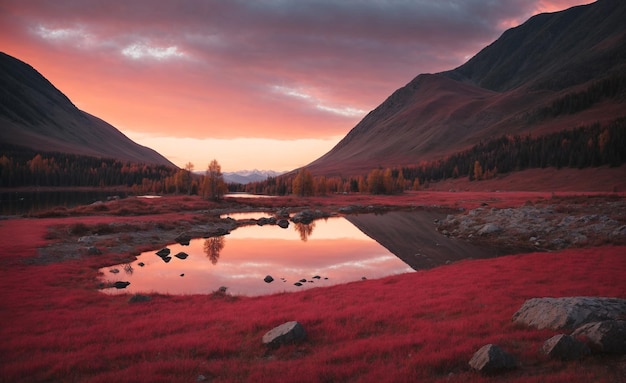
<point>422,326</point>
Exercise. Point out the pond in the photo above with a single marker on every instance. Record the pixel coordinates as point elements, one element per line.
<point>247,215</point>
<point>323,253</point>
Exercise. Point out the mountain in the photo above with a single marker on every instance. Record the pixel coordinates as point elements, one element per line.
<point>247,176</point>
<point>35,114</point>
<point>556,71</point>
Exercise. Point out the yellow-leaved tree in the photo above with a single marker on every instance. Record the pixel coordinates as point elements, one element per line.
<point>302,184</point>
<point>213,185</point>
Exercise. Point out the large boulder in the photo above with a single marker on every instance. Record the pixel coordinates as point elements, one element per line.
<point>605,336</point>
<point>568,313</point>
<point>286,333</point>
<point>565,347</point>
<point>491,359</point>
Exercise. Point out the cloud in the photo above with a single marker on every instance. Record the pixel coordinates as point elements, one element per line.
<point>139,51</point>
<point>319,103</point>
<point>272,69</point>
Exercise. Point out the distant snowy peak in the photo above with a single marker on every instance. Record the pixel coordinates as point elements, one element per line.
<point>247,176</point>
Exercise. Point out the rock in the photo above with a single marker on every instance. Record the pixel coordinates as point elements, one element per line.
<point>565,347</point>
<point>347,209</point>
<point>164,252</point>
<point>141,264</point>
<point>92,250</point>
<point>298,284</point>
<point>268,279</point>
<point>166,259</point>
<point>181,255</point>
<point>183,239</point>
<point>491,359</point>
<point>282,213</point>
<point>303,280</point>
<point>262,221</point>
<point>305,217</point>
<point>220,231</point>
<point>121,285</point>
<point>286,333</point>
<point>489,228</point>
<point>136,298</point>
<point>605,336</point>
<point>568,313</point>
<point>114,271</point>
<point>283,223</point>
<point>317,277</point>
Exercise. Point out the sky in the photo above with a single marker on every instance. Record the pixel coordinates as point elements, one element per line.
<point>258,84</point>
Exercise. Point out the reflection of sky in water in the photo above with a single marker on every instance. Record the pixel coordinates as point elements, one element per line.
<point>334,249</point>
<point>247,215</point>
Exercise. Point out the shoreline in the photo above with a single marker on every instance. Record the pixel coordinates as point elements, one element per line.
<point>83,334</point>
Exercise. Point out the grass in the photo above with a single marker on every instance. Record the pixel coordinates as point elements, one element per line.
<point>422,326</point>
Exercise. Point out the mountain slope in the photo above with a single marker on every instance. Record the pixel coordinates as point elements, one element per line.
<point>35,114</point>
<point>505,89</point>
<point>246,176</point>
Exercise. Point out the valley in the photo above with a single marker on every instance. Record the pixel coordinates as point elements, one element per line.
<point>400,250</point>
<point>426,324</point>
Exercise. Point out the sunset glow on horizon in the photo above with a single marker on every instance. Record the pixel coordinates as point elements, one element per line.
<point>263,84</point>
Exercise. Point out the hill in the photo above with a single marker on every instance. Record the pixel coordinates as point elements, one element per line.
<point>36,115</point>
<point>247,176</point>
<point>556,71</point>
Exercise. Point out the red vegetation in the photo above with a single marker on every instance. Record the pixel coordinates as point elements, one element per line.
<point>422,326</point>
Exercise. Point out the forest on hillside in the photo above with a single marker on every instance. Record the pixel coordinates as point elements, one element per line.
<point>582,147</point>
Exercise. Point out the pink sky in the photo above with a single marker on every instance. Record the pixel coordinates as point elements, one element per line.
<point>266,84</point>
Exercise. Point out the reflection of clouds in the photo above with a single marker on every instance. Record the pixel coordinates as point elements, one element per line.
<point>365,263</point>
<point>246,261</point>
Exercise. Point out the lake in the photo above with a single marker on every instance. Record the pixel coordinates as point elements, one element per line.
<point>327,252</point>
<point>324,253</point>
<point>30,202</point>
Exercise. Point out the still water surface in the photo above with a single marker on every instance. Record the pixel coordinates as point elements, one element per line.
<point>333,250</point>
<point>30,202</point>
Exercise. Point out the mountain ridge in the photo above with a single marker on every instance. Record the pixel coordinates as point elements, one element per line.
<point>37,115</point>
<point>499,91</point>
<point>247,176</point>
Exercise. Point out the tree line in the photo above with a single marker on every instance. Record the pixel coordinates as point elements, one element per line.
<point>582,147</point>
<point>20,167</point>
<point>586,146</point>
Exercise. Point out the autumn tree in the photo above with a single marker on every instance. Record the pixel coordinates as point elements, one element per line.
<point>188,176</point>
<point>400,182</point>
<point>302,184</point>
<point>478,171</point>
<point>213,185</point>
